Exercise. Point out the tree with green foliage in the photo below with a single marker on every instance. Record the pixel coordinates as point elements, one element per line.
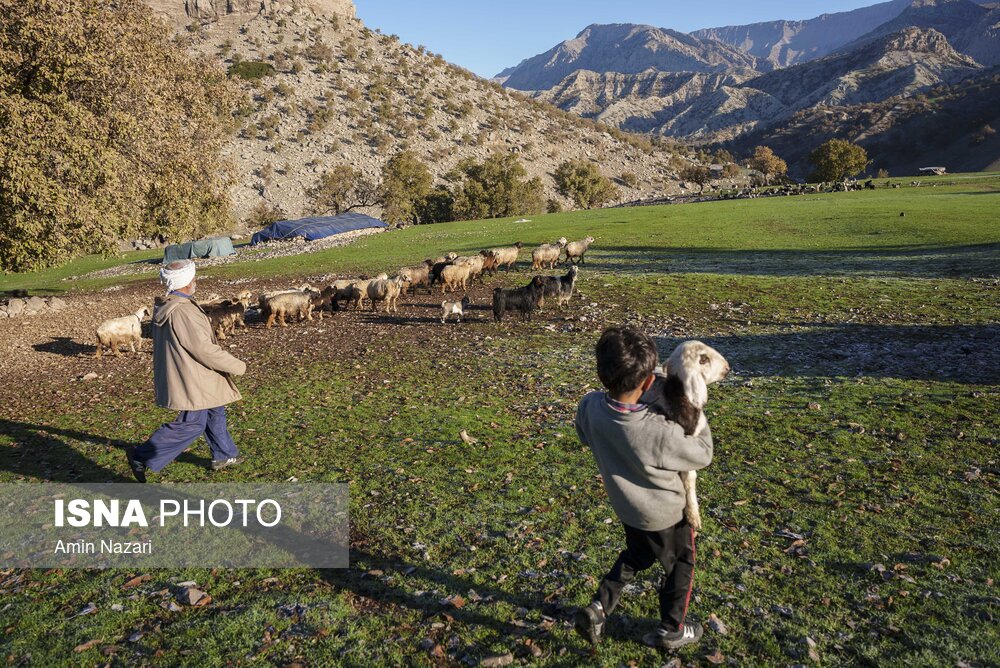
<point>582,182</point>
<point>109,131</point>
<point>697,174</point>
<point>406,183</point>
<point>767,163</point>
<point>343,189</point>
<point>837,160</point>
<point>495,188</point>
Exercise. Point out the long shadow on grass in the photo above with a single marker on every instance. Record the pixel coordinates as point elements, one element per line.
<point>45,452</point>
<point>960,354</point>
<point>971,260</point>
<point>470,613</point>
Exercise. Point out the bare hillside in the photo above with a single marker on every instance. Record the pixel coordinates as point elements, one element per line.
<point>343,94</point>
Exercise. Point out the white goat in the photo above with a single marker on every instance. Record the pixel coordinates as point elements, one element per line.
<point>118,331</point>
<point>681,395</point>
<point>454,308</point>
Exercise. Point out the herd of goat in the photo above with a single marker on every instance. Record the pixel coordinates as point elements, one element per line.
<point>451,272</point>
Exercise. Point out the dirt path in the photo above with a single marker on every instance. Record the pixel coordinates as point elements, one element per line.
<point>50,353</point>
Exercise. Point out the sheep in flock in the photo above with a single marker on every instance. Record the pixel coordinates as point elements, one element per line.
<point>228,314</point>
<point>576,250</point>
<point>546,256</point>
<point>454,276</point>
<point>681,395</point>
<point>420,276</point>
<point>387,290</point>
<point>118,331</point>
<point>360,291</point>
<point>282,305</point>
<point>507,257</point>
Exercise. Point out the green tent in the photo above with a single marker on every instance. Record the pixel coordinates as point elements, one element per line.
<point>217,247</point>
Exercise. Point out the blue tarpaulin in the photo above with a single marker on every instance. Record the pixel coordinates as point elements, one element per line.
<point>317,227</point>
<point>217,247</point>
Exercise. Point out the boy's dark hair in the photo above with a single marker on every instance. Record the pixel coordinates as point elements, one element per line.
<point>625,358</point>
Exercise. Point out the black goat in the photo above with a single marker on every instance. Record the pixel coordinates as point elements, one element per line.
<point>524,299</point>
<point>560,287</point>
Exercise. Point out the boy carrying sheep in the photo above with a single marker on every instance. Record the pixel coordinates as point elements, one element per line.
<point>639,454</point>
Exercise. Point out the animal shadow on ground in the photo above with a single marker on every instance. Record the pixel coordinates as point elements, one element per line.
<point>972,260</point>
<point>960,354</point>
<point>67,347</point>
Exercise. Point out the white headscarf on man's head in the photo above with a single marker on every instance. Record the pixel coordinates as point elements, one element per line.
<point>177,274</point>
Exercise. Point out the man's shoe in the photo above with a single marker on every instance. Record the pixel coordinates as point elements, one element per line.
<point>590,622</point>
<point>219,464</point>
<point>687,634</point>
<point>138,468</point>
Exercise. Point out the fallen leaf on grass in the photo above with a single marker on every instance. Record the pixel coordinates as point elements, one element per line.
<point>85,646</point>
<point>136,581</point>
<point>466,438</point>
<point>716,658</point>
<point>497,660</point>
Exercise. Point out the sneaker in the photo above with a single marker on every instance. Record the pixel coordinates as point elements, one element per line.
<point>687,634</point>
<point>590,622</point>
<point>138,468</point>
<point>219,464</point>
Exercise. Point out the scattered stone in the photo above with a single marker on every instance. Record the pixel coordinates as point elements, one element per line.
<point>57,304</point>
<point>716,625</point>
<point>497,660</point>
<point>88,377</point>
<point>193,596</point>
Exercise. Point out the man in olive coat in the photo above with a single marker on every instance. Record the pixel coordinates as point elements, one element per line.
<point>192,375</point>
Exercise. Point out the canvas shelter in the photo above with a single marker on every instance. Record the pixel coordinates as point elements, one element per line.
<point>316,227</point>
<point>217,247</point>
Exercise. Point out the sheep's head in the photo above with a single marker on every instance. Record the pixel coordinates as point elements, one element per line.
<point>466,300</point>
<point>451,256</point>
<point>698,366</point>
<point>589,240</point>
<point>144,312</point>
<point>573,271</point>
<point>562,241</point>
<point>429,263</point>
<point>518,244</point>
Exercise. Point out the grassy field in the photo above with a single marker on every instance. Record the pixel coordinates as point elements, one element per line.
<point>852,511</point>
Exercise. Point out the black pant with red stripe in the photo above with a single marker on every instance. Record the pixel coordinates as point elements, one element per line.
<point>673,547</point>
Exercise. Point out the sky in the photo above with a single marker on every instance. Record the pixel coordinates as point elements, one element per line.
<point>486,36</point>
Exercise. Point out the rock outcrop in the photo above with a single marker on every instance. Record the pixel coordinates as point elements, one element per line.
<point>626,49</point>
<point>786,43</point>
<point>186,11</point>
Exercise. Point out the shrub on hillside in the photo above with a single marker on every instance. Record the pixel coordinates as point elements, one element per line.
<point>495,188</point>
<point>582,182</point>
<point>342,189</point>
<point>108,131</point>
<point>250,70</point>
<point>406,183</point>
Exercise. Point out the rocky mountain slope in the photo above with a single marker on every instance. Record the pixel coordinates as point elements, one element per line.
<point>785,43</point>
<point>885,53</point>
<point>626,49</point>
<point>343,94</point>
<point>720,106</point>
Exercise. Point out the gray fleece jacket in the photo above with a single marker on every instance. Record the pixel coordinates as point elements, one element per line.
<point>639,455</point>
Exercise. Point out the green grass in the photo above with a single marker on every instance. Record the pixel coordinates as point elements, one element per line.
<point>888,324</point>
